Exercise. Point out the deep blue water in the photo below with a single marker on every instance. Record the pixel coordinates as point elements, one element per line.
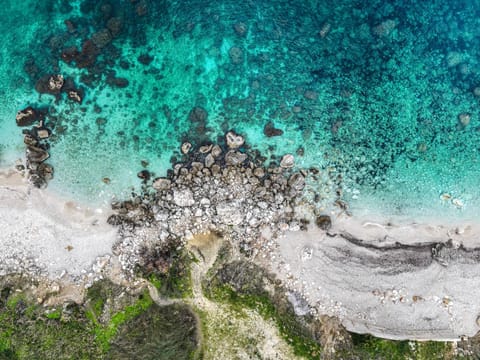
<point>381,96</point>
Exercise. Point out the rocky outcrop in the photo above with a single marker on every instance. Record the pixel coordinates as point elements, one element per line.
<point>235,195</point>
<point>26,117</point>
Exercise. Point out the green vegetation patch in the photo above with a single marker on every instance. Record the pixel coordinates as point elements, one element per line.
<point>168,332</point>
<point>171,274</point>
<point>242,285</point>
<point>370,347</point>
<point>112,323</point>
<point>27,331</point>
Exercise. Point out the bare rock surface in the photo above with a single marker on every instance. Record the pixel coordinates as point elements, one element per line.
<point>404,281</point>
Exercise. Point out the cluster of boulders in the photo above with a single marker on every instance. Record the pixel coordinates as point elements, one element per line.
<point>215,188</point>
<point>37,146</point>
<point>56,84</point>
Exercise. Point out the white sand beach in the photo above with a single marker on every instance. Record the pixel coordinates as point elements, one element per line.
<point>42,234</point>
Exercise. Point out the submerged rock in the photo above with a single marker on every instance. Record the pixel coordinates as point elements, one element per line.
<point>269,130</point>
<point>198,114</point>
<point>236,55</point>
<point>102,38</point>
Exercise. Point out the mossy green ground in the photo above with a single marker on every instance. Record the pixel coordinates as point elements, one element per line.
<point>176,282</point>
<point>31,331</point>
<point>291,330</point>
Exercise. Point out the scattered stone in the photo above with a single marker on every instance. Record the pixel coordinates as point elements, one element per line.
<point>209,160</point>
<point>49,84</point>
<point>55,83</point>
<point>296,181</point>
<point>26,117</point>
<point>185,148</point>
<point>259,172</point>
<point>288,161</point>
<point>45,171</point>
<point>324,222</point>
<point>29,140</point>
<point>269,130</point>
<point>43,133</point>
<point>144,175</point>
<point>75,96</point>
<point>216,151</point>
<point>235,158</point>
<point>161,184</point>
<point>234,140</point>
<point>205,149</point>
<point>183,197</point>
<point>36,154</point>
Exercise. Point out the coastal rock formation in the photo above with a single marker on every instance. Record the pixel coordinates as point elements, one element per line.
<point>26,117</point>
<point>235,195</point>
<point>234,141</point>
<point>35,139</point>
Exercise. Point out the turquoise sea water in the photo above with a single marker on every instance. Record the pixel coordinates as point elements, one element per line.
<point>373,92</point>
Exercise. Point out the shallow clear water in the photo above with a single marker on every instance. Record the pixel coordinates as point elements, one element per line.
<point>372,92</point>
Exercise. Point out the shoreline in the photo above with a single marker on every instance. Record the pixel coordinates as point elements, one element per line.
<point>360,270</point>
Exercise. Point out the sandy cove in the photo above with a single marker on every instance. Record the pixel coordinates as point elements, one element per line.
<point>42,234</point>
